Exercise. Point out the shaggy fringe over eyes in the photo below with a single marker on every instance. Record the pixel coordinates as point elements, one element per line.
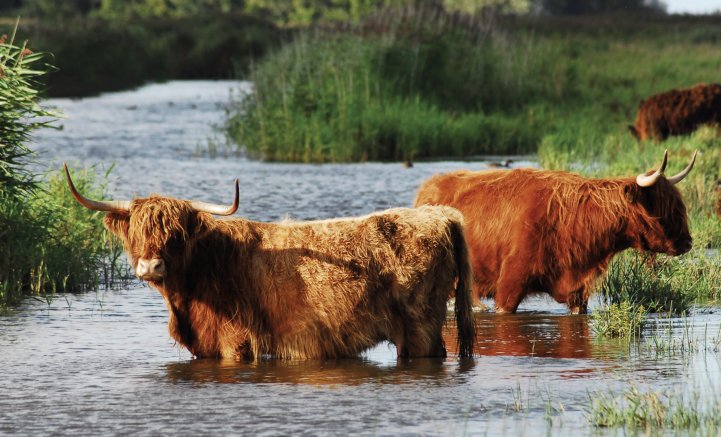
<point>162,220</point>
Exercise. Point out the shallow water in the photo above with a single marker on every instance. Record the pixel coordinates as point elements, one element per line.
<point>104,363</point>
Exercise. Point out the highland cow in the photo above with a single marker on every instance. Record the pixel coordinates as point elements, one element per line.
<point>295,290</point>
<point>534,231</point>
<point>677,112</point>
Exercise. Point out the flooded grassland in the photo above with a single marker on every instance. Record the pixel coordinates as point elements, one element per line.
<point>103,362</point>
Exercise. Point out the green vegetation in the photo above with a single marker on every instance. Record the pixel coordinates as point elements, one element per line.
<point>406,84</point>
<point>48,242</point>
<point>427,84</point>
<point>622,320</point>
<point>652,410</point>
<point>665,340</point>
<point>93,55</point>
<point>658,284</point>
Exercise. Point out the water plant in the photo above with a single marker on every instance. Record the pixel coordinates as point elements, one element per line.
<point>406,84</point>
<point>48,243</point>
<point>621,319</point>
<point>651,410</point>
<point>646,281</point>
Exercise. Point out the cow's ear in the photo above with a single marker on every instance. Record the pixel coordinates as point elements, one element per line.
<point>118,224</point>
<point>196,224</point>
<point>631,191</point>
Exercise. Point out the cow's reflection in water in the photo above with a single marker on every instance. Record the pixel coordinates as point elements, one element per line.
<point>520,335</point>
<point>319,372</point>
<point>530,334</point>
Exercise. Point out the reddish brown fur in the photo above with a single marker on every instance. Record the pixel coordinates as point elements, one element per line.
<point>548,231</point>
<point>677,112</point>
<point>237,288</point>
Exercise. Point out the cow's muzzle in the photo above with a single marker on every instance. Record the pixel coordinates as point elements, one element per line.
<point>150,270</point>
<point>682,247</point>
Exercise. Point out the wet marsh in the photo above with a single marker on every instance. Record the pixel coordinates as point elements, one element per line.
<point>103,361</point>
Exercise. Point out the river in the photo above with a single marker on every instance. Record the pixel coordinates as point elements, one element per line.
<point>102,363</point>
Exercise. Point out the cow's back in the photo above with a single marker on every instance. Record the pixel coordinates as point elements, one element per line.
<point>678,111</point>
<point>502,210</point>
<point>342,281</point>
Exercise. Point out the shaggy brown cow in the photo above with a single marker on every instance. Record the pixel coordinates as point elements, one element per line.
<point>324,289</point>
<point>677,112</point>
<point>550,231</point>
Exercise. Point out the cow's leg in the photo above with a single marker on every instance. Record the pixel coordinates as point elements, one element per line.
<point>510,291</point>
<point>424,324</point>
<point>399,340</point>
<point>577,301</point>
<point>425,344</point>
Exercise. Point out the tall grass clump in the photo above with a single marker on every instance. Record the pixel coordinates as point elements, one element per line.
<point>48,242</point>
<point>619,320</point>
<point>655,411</point>
<point>407,83</point>
<point>654,283</point>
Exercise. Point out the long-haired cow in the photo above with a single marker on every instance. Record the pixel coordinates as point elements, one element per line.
<point>533,231</point>
<point>677,112</point>
<point>324,289</point>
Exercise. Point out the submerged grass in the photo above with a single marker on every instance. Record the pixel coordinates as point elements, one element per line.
<point>667,342</point>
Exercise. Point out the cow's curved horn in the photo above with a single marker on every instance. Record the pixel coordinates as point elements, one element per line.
<point>644,180</point>
<point>679,177</point>
<point>218,209</point>
<point>96,205</point>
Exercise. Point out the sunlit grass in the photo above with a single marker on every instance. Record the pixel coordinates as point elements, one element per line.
<point>622,320</point>
<point>652,410</point>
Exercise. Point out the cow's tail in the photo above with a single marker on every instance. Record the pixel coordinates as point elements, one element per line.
<point>464,294</point>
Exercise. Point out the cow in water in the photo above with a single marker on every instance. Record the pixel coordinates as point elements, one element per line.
<point>677,112</point>
<point>298,290</point>
<point>532,231</point>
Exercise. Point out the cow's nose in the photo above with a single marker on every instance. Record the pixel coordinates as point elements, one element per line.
<point>149,270</point>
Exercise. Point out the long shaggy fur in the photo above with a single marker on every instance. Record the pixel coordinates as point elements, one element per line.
<point>547,231</point>
<point>297,290</point>
<point>677,112</point>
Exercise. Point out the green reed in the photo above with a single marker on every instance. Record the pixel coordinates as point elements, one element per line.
<point>423,83</point>
<point>622,320</point>
<point>652,411</point>
<point>48,242</point>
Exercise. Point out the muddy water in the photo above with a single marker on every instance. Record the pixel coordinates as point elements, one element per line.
<point>103,362</point>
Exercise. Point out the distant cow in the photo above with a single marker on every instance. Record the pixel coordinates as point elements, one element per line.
<point>677,112</point>
<point>535,231</point>
<point>324,289</point>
